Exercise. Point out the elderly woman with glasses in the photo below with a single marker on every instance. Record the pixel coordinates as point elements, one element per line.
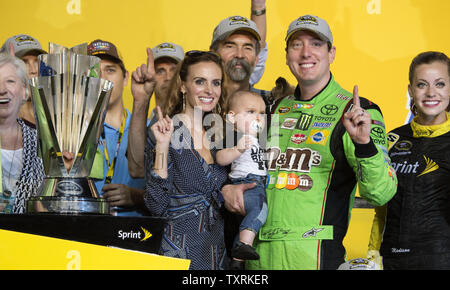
<point>21,169</point>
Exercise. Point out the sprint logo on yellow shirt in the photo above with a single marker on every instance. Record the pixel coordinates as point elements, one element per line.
<point>318,137</point>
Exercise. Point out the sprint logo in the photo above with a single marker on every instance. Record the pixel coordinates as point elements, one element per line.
<point>431,166</point>
<point>147,234</point>
<point>142,235</point>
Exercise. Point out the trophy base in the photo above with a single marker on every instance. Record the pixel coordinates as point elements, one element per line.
<point>67,205</point>
<point>66,195</point>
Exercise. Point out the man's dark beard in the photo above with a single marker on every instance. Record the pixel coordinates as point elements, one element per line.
<point>238,74</point>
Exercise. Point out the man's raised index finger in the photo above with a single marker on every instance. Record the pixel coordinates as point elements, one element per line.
<point>150,58</point>
<point>355,97</point>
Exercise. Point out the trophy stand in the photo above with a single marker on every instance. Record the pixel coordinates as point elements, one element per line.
<point>70,196</point>
<point>69,100</point>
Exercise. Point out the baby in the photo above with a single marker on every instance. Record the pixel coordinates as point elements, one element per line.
<point>246,110</point>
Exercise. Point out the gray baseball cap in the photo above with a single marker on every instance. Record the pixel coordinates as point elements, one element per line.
<point>232,24</point>
<point>311,23</point>
<point>168,49</point>
<point>22,44</point>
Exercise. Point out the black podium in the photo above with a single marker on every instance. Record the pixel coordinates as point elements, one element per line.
<point>134,233</point>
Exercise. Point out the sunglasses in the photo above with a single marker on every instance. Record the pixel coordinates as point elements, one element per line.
<point>198,53</point>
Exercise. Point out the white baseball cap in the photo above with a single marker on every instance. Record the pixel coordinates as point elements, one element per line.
<point>168,49</point>
<point>22,45</point>
<point>232,24</point>
<point>311,23</point>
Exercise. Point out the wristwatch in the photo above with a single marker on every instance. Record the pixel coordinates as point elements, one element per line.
<point>259,12</point>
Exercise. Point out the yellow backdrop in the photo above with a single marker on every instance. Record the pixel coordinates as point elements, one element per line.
<point>375,39</point>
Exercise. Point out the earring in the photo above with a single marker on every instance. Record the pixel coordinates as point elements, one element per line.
<point>219,108</point>
<point>413,108</point>
<point>184,100</point>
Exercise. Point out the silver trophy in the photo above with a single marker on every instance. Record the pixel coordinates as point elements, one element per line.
<point>69,101</point>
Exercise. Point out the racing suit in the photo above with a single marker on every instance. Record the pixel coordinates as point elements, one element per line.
<point>416,222</point>
<point>313,168</point>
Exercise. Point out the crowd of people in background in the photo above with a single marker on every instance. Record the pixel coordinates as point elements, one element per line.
<point>274,187</point>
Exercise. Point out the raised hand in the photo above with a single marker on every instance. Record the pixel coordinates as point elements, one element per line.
<point>258,4</point>
<point>162,129</point>
<point>357,122</point>
<point>143,80</point>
